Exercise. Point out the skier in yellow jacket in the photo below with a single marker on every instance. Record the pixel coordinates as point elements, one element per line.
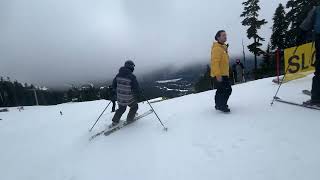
<point>220,71</point>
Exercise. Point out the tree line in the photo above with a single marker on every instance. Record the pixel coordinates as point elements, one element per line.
<point>14,93</point>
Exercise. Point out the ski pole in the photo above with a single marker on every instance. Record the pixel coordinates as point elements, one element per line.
<point>280,84</point>
<point>164,128</point>
<point>100,116</point>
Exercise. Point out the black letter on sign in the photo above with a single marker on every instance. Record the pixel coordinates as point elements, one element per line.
<point>304,62</point>
<point>296,65</point>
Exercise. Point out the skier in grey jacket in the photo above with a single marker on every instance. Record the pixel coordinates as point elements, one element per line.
<point>127,90</point>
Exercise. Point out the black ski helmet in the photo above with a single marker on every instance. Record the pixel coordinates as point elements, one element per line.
<point>130,65</point>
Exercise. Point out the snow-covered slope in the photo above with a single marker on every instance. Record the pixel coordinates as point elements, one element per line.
<point>256,141</point>
<point>168,81</point>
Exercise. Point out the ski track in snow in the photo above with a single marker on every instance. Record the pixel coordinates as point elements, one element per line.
<point>255,141</point>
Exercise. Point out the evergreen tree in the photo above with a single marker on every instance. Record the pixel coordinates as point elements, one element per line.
<point>251,15</point>
<point>267,66</point>
<point>279,29</point>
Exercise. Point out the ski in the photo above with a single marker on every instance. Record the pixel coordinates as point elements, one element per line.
<point>108,128</point>
<point>306,92</point>
<point>125,123</point>
<point>297,104</point>
<point>121,124</point>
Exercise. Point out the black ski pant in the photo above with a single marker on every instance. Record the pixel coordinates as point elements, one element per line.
<point>316,79</point>
<point>113,105</point>
<point>223,92</point>
<point>122,109</point>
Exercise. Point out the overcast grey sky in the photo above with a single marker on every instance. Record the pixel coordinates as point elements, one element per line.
<point>51,42</point>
